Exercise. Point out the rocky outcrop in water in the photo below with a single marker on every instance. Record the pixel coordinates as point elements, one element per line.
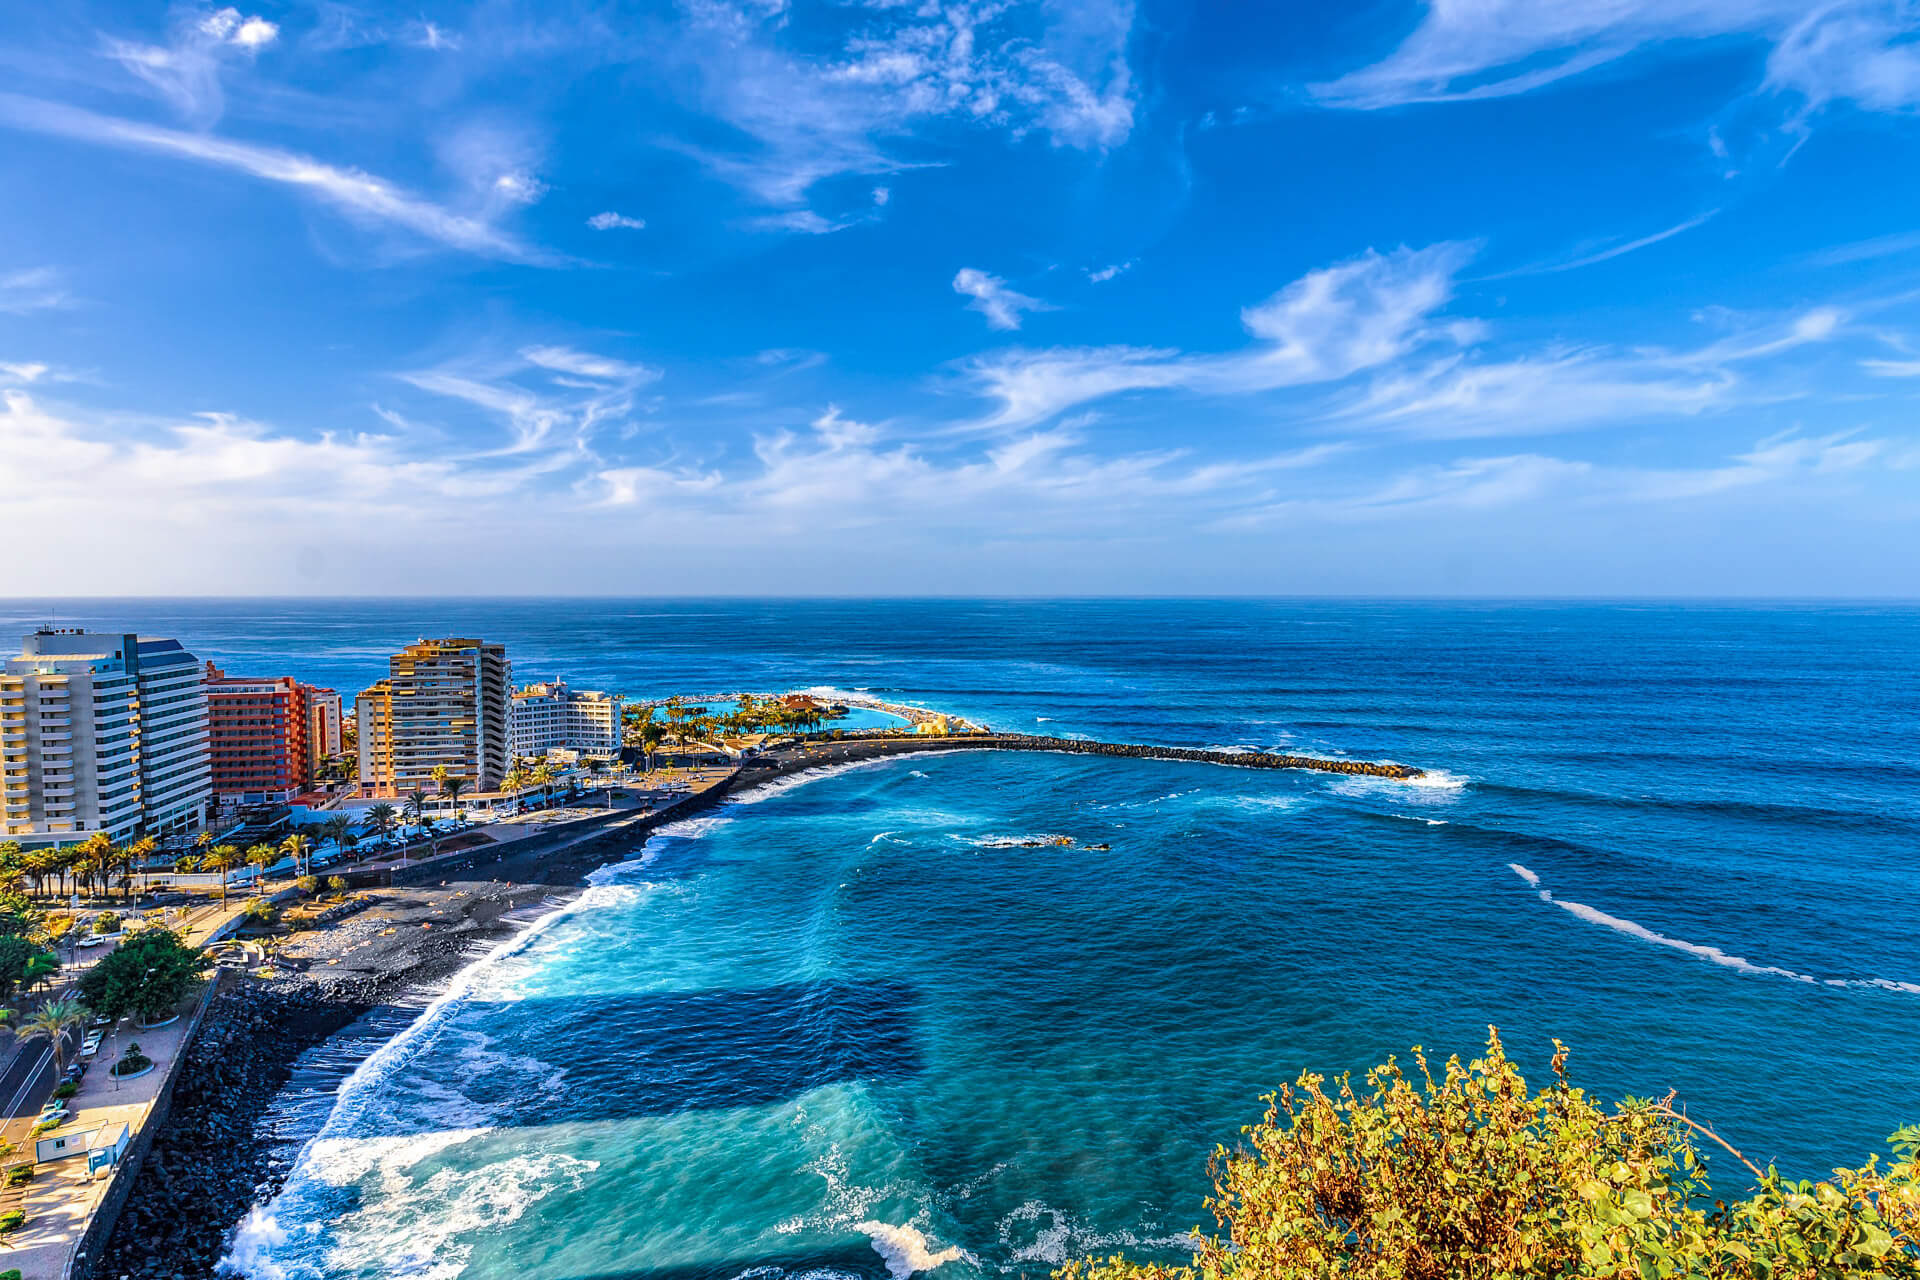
<point>1243,759</point>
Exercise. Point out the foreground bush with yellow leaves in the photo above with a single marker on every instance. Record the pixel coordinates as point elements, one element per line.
<point>1472,1177</point>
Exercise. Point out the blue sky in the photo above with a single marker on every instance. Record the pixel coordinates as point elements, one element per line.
<point>989,296</point>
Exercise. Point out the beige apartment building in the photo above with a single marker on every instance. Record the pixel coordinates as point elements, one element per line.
<point>101,733</point>
<point>444,704</point>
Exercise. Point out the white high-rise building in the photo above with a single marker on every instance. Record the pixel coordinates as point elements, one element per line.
<point>101,733</point>
<point>176,774</point>
<point>546,716</point>
<point>446,704</point>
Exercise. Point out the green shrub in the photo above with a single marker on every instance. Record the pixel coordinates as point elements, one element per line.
<point>338,884</point>
<point>148,974</point>
<point>260,911</point>
<point>1470,1174</point>
<point>66,1090</point>
<point>12,1221</point>
<point>19,1177</point>
<point>107,922</point>
<point>307,885</point>
<point>45,1126</point>
<point>131,1062</point>
<point>12,1274</point>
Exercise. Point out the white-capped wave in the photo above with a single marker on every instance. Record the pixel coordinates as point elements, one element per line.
<point>907,1250</point>
<point>1740,964</point>
<point>916,773</point>
<point>780,786</point>
<point>692,828</point>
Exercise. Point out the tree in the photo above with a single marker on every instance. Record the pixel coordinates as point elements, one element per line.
<point>339,829</point>
<point>141,852</point>
<point>300,849</point>
<point>336,884</point>
<point>380,818</point>
<point>543,776</point>
<point>260,857</point>
<point>651,734</point>
<point>223,858</point>
<point>416,806</point>
<point>1471,1176</point>
<point>451,789</point>
<point>53,1020</point>
<point>148,974</point>
<point>16,955</point>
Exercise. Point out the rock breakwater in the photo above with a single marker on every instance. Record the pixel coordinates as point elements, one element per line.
<point>209,1163</point>
<point>1239,759</point>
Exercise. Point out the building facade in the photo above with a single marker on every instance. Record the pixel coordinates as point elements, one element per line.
<point>548,716</point>
<point>326,728</point>
<point>101,732</point>
<point>259,738</point>
<point>445,704</point>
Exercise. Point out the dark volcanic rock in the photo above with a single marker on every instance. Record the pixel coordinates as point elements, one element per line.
<point>206,1164</point>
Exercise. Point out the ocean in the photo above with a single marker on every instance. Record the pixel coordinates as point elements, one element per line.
<point>859,1025</point>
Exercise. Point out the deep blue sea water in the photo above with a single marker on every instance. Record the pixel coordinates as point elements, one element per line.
<point>856,1026</point>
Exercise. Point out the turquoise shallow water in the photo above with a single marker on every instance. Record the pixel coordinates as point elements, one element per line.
<point>856,1025</point>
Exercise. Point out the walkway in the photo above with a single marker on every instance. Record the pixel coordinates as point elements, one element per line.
<point>61,1199</point>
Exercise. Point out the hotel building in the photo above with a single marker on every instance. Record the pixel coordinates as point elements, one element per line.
<point>546,716</point>
<point>444,704</point>
<point>326,728</point>
<point>260,738</point>
<point>101,733</point>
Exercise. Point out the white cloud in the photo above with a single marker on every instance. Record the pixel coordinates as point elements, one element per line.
<point>1107,273</point>
<point>352,191</point>
<point>610,220</point>
<point>186,71</point>
<point>993,299</point>
<point>882,195</point>
<point>1017,66</point>
<point>33,289</point>
<point>521,188</point>
<point>1324,327</point>
<point>587,365</point>
<point>1566,389</point>
<point>1853,49</point>
<point>805,221</point>
<point>24,372</point>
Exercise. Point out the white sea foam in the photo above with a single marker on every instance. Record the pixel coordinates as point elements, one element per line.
<point>1044,840</point>
<point>917,773</point>
<point>1714,955</point>
<point>780,786</point>
<point>692,828</point>
<point>1055,1236</point>
<point>907,1250</point>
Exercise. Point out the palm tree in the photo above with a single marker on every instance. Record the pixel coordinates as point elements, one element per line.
<point>650,735</point>
<point>451,789</point>
<point>54,1020</point>
<point>380,818</point>
<point>141,852</point>
<point>300,849</point>
<point>543,776</point>
<point>223,858</point>
<point>416,806</point>
<point>260,857</point>
<point>515,781</point>
<point>339,829</point>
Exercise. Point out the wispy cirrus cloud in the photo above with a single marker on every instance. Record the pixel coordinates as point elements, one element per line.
<point>806,114</point>
<point>32,289</point>
<point>1858,50</point>
<point>993,298</point>
<point>185,72</point>
<point>553,399</point>
<point>1324,327</point>
<point>358,194</point>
